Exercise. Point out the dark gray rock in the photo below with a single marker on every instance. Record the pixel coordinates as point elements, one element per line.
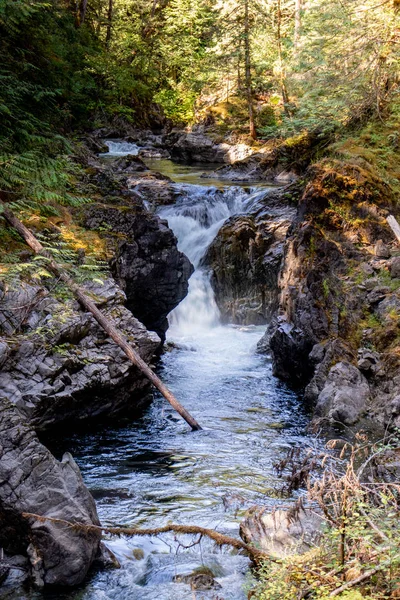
<point>322,357</point>
<point>382,250</point>
<point>368,361</point>
<point>148,265</point>
<point>68,369</point>
<point>129,164</point>
<point>290,349</point>
<point>395,267</point>
<point>33,481</point>
<point>245,259</point>
<point>154,153</point>
<point>199,148</point>
<point>153,188</point>
<point>345,395</point>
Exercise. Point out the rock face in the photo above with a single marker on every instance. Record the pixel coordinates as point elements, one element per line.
<point>33,481</point>
<point>245,259</point>
<point>67,369</point>
<point>282,533</point>
<point>196,147</point>
<point>147,265</point>
<point>337,330</point>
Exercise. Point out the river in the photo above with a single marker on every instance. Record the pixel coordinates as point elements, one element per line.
<point>155,470</point>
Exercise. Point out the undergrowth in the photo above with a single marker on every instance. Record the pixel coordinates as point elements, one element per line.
<point>358,556</point>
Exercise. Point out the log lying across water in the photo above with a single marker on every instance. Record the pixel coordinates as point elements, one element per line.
<point>219,538</point>
<point>102,320</point>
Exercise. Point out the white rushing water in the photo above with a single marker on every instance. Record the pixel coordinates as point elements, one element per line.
<point>196,219</point>
<point>116,148</point>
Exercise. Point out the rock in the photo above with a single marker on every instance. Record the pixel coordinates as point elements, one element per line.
<point>377,294</point>
<point>155,189</point>
<point>381,250</point>
<point>73,371</point>
<point>245,258</point>
<point>148,266</point>
<point>368,361</point>
<point>367,269</point>
<point>201,579</point>
<point>129,164</point>
<point>95,144</point>
<point>321,357</point>
<point>263,344</point>
<point>395,267</point>
<point>282,533</point>
<point>345,395</point>
<point>290,349</point>
<point>198,148</point>
<point>285,177</point>
<point>388,305</point>
<point>154,153</point>
<point>33,481</point>
<point>248,169</point>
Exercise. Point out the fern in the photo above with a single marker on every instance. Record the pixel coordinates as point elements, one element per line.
<point>35,268</point>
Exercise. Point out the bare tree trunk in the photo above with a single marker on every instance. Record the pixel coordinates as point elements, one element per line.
<point>249,94</point>
<point>285,96</point>
<point>153,8</point>
<point>297,25</point>
<point>239,61</point>
<point>82,12</point>
<point>109,22</point>
<point>102,320</point>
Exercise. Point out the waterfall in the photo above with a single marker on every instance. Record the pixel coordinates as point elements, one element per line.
<point>120,148</point>
<point>196,218</point>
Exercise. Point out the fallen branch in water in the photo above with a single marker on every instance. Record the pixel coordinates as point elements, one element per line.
<point>219,538</point>
<point>102,320</point>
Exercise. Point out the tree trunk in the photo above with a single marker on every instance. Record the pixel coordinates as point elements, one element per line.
<point>249,93</point>
<point>102,320</point>
<point>82,12</point>
<point>285,96</point>
<point>109,22</point>
<point>297,25</point>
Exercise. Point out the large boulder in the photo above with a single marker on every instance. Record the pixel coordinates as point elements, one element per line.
<point>148,266</point>
<point>33,481</point>
<point>345,395</point>
<point>245,259</point>
<point>199,148</point>
<point>153,188</point>
<point>282,532</point>
<point>61,366</point>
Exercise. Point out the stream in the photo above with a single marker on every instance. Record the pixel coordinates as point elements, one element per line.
<point>156,470</point>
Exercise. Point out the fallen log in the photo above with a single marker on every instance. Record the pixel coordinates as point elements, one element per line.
<point>219,538</point>
<point>394,226</point>
<point>102,320</point>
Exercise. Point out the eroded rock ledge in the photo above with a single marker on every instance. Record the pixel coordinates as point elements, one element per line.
<point>60,366</point>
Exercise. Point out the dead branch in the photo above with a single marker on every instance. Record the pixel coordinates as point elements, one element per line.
<point>364,576</point>
<point>219,538</point>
